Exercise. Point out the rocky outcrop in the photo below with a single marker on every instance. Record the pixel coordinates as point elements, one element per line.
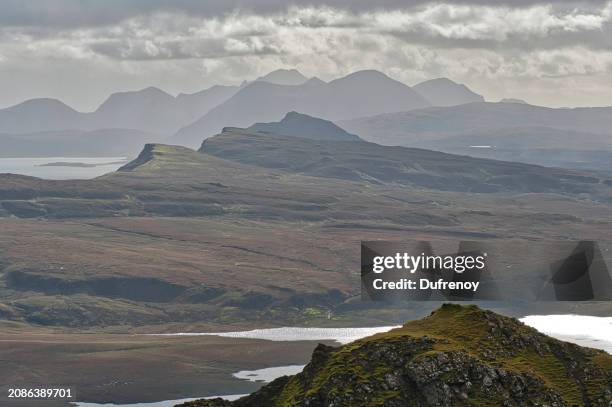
<point>458,356</point>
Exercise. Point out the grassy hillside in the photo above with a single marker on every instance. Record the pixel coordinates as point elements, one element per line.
<point>458,356</point>
<point>373,163</point>
<point>181,236</point>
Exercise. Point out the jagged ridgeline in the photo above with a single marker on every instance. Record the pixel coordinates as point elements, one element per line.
<point>457,356</point>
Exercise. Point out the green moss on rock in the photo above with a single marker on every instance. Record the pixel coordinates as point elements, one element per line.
<point>458,356</point>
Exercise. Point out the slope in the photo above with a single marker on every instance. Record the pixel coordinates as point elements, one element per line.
<point>372,163</point>
<point>181,236</point>
<point>459,355</point>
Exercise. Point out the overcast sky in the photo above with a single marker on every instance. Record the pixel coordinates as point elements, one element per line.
<point>550,53</point>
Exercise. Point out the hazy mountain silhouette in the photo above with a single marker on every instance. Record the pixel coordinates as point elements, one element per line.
<point>300,125</point>
<point>487,119</point>
<point>571,138</point>
<point>359,94</point>
<point>284,77</point>
<point>150,109</point>
<point>193,117</point>
<point>196,104</point>
<point>37,115</point>
<point>367,103</point>
<point>444,92</point>
<point>121,125</point>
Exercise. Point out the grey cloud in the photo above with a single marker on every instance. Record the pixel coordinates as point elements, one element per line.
<point>91,13</point>
<point>595,40</point>
<point>141,50</point>
<point>183,46</point>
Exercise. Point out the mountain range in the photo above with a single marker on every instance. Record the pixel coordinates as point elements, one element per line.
<point>480,118</point>
<point>148,110</point>
<point>572,138</point>
<point>196,116</point>
<point>359,94</point>
<point>437,114</point>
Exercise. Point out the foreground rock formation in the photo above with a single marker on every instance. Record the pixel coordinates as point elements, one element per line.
<point>458,356</point>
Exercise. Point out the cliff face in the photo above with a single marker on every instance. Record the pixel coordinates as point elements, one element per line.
<point>458,356</point>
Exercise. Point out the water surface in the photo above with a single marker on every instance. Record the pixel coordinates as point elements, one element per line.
<point>38,166</point>
<point>583,330</point>
<point>268,374</point>
<point>340,335</point>
<point>166,403</point>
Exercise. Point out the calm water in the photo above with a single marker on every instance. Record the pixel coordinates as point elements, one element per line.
<point>268,374</point>
<point>290,334</point>
<point>583,330</point>
<point>34,167</point>
<point>166,403</point>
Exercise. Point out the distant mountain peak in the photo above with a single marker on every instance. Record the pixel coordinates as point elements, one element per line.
<point>39,115</point>
<point>153,90</point>
<point>440,81</point>
<point>513,100</point>
<point>150,91</point>
<point>301,125</point>
<point>119,101</point>
<point>368,72</point>
<point>284,77</point>
<point>445,92</point>
<point>213,88</point>
<point>42,103</point>
<point>365,74</point>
